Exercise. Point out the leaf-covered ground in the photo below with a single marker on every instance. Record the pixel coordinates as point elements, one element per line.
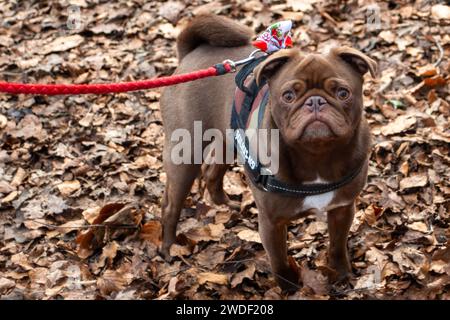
<point>74,161</point>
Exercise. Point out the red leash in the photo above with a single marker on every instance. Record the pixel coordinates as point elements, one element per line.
<point>102,88</point>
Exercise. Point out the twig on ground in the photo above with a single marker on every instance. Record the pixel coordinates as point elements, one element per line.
<point>441,52</point>
<point>113,226</point>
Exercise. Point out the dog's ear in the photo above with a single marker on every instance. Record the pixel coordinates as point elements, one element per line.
<point>357,60</point>
<point>272,64</point>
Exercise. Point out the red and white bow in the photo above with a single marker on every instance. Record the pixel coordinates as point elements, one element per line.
<point>276,37</point>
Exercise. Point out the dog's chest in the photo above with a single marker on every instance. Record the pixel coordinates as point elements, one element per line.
<point>319,203</point>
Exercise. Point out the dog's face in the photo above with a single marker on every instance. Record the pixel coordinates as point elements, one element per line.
<point>316,100</point>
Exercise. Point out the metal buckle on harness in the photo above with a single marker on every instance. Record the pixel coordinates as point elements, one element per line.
<point>235,64</point>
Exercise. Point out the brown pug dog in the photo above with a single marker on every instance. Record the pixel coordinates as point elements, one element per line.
<point>316,103</point>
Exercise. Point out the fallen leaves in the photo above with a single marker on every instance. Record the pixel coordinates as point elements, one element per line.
<point>372,213</point>
<point>410,260</point>
<point>249,235</point>
<point>387,36</point>
<point>29,127</point>
<point>18,177</point>
<point>113,221</point>
<point>171,10</point>
<point>247,273</point>
<point>415,181</point>
<point>113,281</point>
<point>399,125</point>
<point>6,284</point>
<point>314,280</point>
<point>440,11</point>
<point>41,207</point>
<point>69,163</point>
<point>66,188</point>
<point>210,232</point>
<point>63,44</point>
<point>419,226</point>
<point>211,257</point>
<point>212,278</point>
<point>317,228</point>
<point>151,231</point>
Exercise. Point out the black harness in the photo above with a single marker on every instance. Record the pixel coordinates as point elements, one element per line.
<point>248,93</point>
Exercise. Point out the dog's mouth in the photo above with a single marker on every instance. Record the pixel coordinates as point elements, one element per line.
<point>317,129</point>
<point>312,126</point>
<point>316,120</point>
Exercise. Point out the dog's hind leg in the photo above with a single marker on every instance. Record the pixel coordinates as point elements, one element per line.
<point>213,175</point>
<point>179,182</point>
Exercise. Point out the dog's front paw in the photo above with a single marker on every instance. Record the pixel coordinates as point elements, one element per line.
<point>288,278</point>
<point>339,277</point>
<point>288,281</point>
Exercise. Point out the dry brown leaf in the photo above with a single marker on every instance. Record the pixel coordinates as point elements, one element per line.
<point>6,284</point>
<point>38,275</point>
<point>63,44</point>
<point>303,6</point>
<point>418,226</point>
<point>68,187</point>
<point>151,231</point>
<point>317,227</point>
<point>314,280</point>
<point>113,281</point>
<point>399,125</point>
<point>233,183</point>
<point>29,127</point>
<point>410,260</point>
<point>440,266</point>
<point>90,214</point>
<point>289,15</point>
<point>5,187</point>
<point>177,250</point>
<point>171,10</point>
<point>440,11</point>
<point>428,70</point>
<point>210,232</point>
<point>18,177</point>
<point>70,226</point>
<point>10,197</point>
<point>247,273</point>
<point>249,235</point>
<point>21,260</point>
<point>147,161</point>
<point>372,213</point>
<point>121,219</point>
<point>415,181</point>
<point>109,252</point>
<point>210,257</point>
<point>212,277</point>
<point>387,36</point>
<point>3,121</point>
<point>435,81</point>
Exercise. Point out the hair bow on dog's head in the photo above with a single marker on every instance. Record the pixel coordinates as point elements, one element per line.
<point>276,37</point>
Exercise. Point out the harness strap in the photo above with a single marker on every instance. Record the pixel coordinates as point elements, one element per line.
<point>245,72</point>
<point>271,184</point>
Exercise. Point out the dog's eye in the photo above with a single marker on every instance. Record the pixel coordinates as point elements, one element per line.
<point>288,96</point>
<point>343,93</point>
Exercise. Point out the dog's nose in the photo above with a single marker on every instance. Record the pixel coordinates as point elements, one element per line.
<point>315,103</point>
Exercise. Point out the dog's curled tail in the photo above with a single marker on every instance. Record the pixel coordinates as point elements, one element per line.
<point>213,30</point>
